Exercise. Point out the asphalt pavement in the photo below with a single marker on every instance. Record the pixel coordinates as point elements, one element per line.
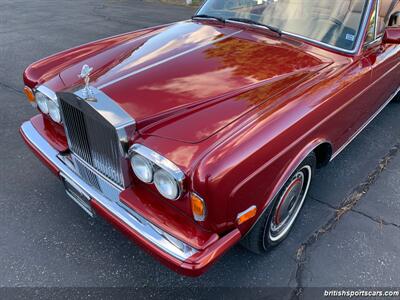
<point>348,233</point>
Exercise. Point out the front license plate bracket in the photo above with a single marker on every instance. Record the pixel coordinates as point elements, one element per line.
<point>79,196</point>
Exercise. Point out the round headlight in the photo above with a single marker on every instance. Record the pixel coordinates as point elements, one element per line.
<point>41,101</point>
<point>54,111</point>
<point>142,168</point>
<point>166,184</point>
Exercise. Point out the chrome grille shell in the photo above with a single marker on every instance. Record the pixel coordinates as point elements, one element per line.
<point>98,134</point>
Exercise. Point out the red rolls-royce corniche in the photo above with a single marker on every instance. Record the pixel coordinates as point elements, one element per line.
<point>193,136</point>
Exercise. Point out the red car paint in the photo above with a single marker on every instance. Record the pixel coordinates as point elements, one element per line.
<point>237,109</point>
<point>391,36</point>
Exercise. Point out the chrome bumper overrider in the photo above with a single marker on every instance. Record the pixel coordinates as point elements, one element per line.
<point>108,197</point>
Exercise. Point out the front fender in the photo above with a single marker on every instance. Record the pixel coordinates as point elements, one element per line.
<point>233,183</point>
<point>288,162</point>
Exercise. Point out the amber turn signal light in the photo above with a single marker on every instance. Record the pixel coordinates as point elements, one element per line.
<point>246,215</point>
<point>30,95</point>
<point>198,207</point>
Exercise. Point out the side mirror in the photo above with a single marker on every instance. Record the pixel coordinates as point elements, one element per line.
<point>391,36</point>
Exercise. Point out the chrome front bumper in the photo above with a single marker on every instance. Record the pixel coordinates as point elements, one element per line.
<point>107,194</point>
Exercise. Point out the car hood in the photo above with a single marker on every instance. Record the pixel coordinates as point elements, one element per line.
<point>188,80</point>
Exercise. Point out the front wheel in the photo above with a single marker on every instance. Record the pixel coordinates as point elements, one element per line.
<point>275,224</point>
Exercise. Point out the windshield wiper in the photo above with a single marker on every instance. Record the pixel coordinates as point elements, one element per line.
<point>202,16</point>
<point>252,22</point>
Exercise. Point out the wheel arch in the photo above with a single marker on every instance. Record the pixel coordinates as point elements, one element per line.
<point>323,153</point>
<point>322,149</point>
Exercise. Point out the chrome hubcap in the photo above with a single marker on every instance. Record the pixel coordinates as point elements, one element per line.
<point>289,204</point>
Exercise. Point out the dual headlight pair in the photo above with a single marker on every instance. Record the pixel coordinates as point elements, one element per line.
<point>47,102</point>
<point>152,168</point>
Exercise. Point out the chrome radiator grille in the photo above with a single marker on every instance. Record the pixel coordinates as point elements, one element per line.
<point>94,142</point>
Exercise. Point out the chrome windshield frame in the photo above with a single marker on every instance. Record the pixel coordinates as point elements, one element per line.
<point>360,35</point>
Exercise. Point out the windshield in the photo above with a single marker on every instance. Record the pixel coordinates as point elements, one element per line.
<point>333,22</point>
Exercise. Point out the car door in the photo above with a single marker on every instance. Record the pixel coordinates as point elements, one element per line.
<point>384,58</point>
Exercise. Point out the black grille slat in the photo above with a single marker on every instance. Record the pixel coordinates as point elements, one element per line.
<point>93,141</point>
<point>87,175</point>
<point>77,135</point>
<point>102,154</point>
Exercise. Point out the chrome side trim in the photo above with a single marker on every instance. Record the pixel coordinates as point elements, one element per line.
<point>108,197</point>
<point>365,125</point>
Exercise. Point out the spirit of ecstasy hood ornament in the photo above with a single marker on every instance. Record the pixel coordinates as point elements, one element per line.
<point>87,91</point>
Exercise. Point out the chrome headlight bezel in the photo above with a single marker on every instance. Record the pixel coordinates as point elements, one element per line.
<point>51,100</point>
<point>160,162</point>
